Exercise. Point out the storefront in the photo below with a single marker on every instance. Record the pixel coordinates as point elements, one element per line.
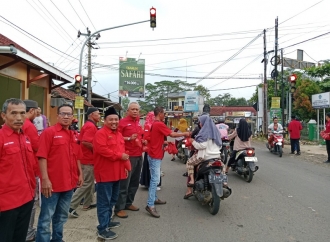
<point>172,118</point>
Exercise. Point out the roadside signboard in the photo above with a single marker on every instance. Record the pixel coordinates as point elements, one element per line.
<point>321,100</point>
<point>191,101</point>
<point>276,102</point>
<point>275,112</point>
<point>79,102</point>
<point>131,77</point>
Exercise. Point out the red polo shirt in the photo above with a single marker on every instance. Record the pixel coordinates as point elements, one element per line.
<point>17,180</point>
<point>31,131</point>
<point>60,148</point>
<point>155,145</point>
<point>87,134</point>
<point>128,126</point>
<point>294,129</point>
<point>108,148</point>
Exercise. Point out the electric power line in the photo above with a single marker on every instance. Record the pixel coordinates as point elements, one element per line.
<point>63,15</point>
<point>87,15</point>
<point>307,40</point>
<point>233,88</point>
<point>77,14</point>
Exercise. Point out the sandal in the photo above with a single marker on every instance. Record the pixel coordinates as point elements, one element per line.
<point>185,174</point>
<point>188,195</point>
<point>190,184</point>
<point>89,207</point>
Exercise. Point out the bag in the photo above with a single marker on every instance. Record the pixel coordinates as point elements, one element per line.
<point>325,135</point>
<point>171,148</point>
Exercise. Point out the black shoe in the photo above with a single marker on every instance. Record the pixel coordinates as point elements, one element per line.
<point>185,174</point>
<point>298,153</point>
<point>107,234</point>
<point>113,225</point>
<point>292,153</point>
<point>327,161</point>
<point>73,213</point>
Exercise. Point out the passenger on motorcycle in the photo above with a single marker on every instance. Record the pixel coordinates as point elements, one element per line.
<point>181,128</point>
<point>274,126</point>
<point>242,137</point>
<point>222,127</point>
<point>208,143</point>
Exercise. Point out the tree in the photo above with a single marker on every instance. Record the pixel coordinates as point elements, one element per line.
<point>124,103</point>
<point>322,71</point>
<point>203,91</point>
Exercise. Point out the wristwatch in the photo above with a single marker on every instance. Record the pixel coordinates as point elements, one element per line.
<point>129,138</point>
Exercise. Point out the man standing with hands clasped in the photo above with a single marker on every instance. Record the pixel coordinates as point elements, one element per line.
<point>60,171</point>
<point>132,132</point>
<point>155,155</point>
<point>111,164</point>
<point>294,128</point>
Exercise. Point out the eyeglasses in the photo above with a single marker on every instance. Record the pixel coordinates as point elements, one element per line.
<point>65,114</point>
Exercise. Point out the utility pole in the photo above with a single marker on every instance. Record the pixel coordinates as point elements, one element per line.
<point>265,87</point>
<point>276,56</point>
<point>282,81</point>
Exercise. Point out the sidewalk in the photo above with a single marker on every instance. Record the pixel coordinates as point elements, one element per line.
<point>313,149</point>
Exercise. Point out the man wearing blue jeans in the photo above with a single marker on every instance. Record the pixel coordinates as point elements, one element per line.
<point>59,154</point>
<point>158,133</point>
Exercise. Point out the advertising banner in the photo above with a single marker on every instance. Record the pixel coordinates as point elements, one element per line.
<point>131,77</point>
<point>276,102</point>
<point>275,112</point>
<point>191,101</point>
<point>79,102</point>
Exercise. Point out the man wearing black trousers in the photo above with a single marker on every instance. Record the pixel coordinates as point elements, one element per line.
<point>294,129</point>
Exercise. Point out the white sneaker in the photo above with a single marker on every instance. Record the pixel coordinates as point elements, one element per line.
<point>159,188</point>
<point>162,173</point>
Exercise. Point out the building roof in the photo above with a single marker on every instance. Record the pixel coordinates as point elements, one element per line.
<point>177,94</point>
<point>67,94</point>
<point>220,110</point>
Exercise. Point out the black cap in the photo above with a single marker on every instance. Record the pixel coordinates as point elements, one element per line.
<point>91,110</point>
<point>30,104</point>
<point>110,111</point>
<point>293,117</point>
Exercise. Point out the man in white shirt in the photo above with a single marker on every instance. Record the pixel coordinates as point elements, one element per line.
<point>274,126</point>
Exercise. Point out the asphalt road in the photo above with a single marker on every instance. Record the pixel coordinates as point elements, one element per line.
<point>288,200</point>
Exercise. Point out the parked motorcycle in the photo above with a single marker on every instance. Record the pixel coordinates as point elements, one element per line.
<point>225,149</point>
<point>277,144</point>
<point>211,184</point>
<point>245,163</point>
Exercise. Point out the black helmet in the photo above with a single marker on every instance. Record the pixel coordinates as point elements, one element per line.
<point>221,120</point>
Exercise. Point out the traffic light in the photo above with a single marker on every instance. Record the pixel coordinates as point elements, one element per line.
<point>77,84</point>
<point>85,80</point>
<point>152,17</point>
<point>293,80</point>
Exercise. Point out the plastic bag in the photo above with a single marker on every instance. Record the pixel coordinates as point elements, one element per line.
<point>171,148</point>
<point>138,142</point>
<point>325,135</point>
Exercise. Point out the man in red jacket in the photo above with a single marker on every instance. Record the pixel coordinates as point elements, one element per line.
<point>31,131</point>
<point>131,130</point>
<point>86,137</point>
<point>294,129</point>
<point>17,179</point>
<point>111,164</point>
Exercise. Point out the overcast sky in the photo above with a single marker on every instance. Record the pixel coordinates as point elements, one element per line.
<point>217,30</point>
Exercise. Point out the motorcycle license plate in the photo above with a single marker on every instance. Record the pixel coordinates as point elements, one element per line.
<point>183,146</point>
<point>251,159</point>
<point>225,144</point>
<point>215,178</point>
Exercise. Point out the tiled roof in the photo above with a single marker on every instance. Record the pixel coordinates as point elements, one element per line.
<point>61,92</point>
<point>220,110</point>
<point>4,41</point>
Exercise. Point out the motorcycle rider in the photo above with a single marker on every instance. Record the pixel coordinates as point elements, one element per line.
<point>208,143</point>
<point>242,137</point>
<point>275,126</point>
<point>181,128</point>
<point>222,127</point>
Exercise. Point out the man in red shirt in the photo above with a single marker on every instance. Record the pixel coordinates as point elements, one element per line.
<point>17,179</point>
<point>30,130</point>
<point>294,129</point>
<point>131,130</point>
<point>111,164</point>
<point>155,155</point>
<point>86,137</point>
<point>60,173</point>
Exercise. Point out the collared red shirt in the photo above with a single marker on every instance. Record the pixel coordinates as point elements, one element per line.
<point>31,131</point>
<point>17,180</point>
<point>294,128</point>
<point>61,150</point>
<point>108,148</point>
<point>87,134</point>
<point>155,145</point>
<point>128,126</point>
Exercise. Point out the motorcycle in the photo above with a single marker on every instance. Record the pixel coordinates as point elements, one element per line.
<point>245,163</point>
<point>277,144</point>
<point>211,184</point>
<point>183,152</point>
<point>225,149</point>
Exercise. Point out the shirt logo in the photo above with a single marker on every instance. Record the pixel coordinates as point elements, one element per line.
<point>129,124</point>
<point>9,143</point>
<point>58,137</point>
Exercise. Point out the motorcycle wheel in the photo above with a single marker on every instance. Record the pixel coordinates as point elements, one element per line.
<point>215,202</point>
<point>280,151</point>
<point>185,159</point>
<point>248,177</point>
<point>225,152</point>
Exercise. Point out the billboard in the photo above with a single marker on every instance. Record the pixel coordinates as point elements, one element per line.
<point>191,101</point>
<point>131,77</point>
<point>321,100</point>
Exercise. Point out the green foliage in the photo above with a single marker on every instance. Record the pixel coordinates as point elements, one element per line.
<point>203,91</point>
<point>124,103</point>
<point>227,100</point>
<point>319,71</point>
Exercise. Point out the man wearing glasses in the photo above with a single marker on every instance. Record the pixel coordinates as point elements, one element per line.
<point>60,173</point>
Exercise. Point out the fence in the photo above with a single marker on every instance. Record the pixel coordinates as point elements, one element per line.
<point>305,132</point>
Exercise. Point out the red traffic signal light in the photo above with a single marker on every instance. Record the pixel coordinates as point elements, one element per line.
<point>152,17</point>
<point>293,78</point>
<point>78,78</point>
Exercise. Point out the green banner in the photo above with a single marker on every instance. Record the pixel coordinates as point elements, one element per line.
<point>131,77</point>
<point>275,112</point>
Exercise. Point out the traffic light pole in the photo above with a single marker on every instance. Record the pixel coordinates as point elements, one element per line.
<point>88,40</point>
<point>282,86</point>
<point>276,55</point>
<point>265,88</point>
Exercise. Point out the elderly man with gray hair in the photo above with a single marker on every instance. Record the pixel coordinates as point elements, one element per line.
<point>132,131</point>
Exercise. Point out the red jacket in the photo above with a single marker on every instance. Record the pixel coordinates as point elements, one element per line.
<point>108,148</point>
<point>17,180</point>
<point>128,126</point>
<point>87,134</point>
<point>294,129</point>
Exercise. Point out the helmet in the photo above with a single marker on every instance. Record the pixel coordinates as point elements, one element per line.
<point>75,120</point>
<point>220,120</point>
